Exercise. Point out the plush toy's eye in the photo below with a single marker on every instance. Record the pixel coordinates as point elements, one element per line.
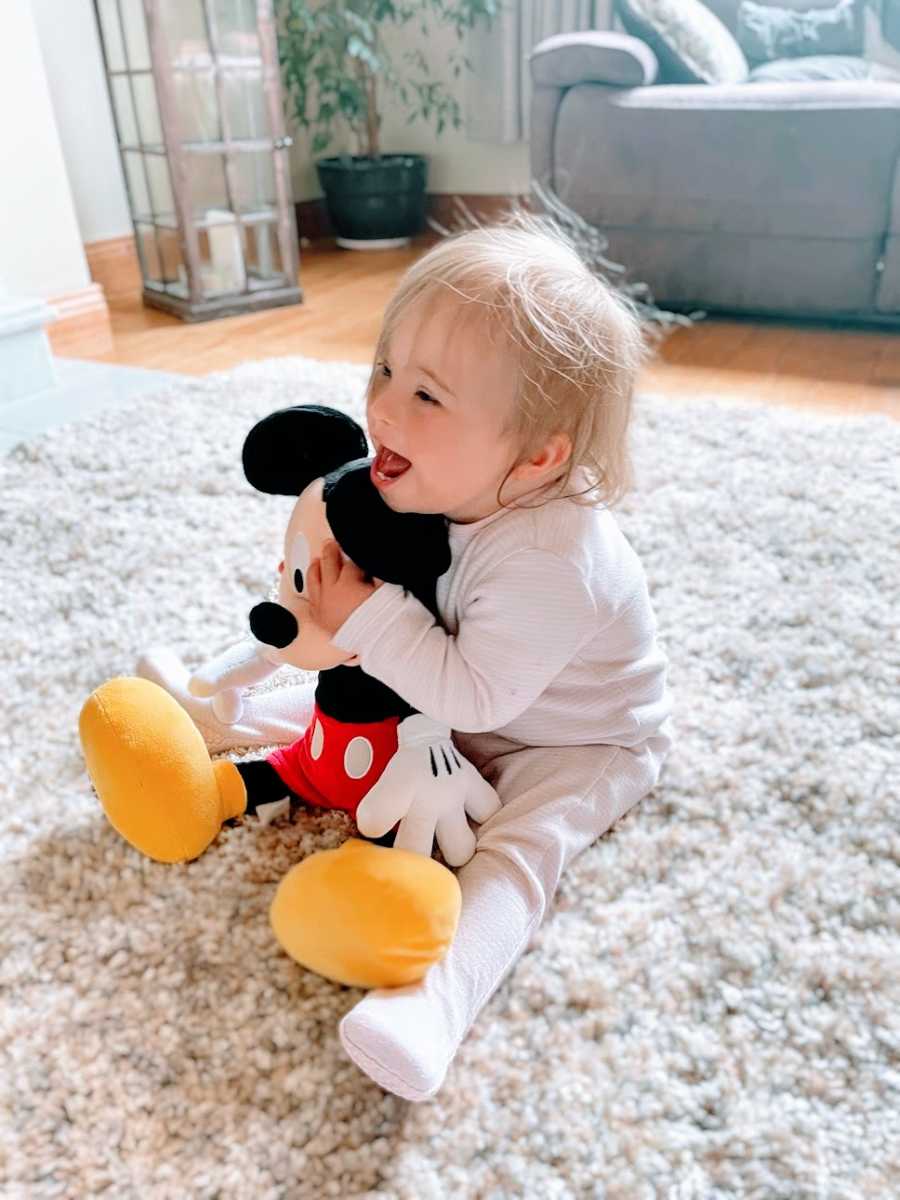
<point>298,562</point>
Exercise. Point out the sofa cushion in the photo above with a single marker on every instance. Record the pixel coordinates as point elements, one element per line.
<point>768,160</point>
<point>691,43</point>
<point>829,68</point>
<point>766,32</point>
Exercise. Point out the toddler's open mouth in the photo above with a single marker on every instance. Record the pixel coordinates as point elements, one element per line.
<point>387,467</point>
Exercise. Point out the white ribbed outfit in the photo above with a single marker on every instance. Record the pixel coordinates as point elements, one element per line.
<point>548,671</point>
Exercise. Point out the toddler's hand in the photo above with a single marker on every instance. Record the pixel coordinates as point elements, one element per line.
<point>336,588</point>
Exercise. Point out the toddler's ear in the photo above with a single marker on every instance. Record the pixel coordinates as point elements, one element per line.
<point>287,450</point>
<point>552,456</point>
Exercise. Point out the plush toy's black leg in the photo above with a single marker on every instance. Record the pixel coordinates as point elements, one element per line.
<point>265,786</point>
<point>263,783</point>
<point>386,840</point>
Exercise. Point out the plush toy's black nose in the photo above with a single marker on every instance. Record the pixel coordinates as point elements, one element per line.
<point>273,624</point>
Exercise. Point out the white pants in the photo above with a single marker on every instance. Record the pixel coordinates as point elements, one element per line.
<point>556,802</point>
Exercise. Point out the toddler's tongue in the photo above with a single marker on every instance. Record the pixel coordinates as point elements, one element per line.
<point>391,464</point>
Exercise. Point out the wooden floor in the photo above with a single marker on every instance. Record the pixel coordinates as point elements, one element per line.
<point>345,292</point>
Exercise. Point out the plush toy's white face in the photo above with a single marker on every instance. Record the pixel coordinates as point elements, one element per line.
<point>307,532</point>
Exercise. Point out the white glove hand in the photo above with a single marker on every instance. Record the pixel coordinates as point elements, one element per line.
<point>428,787</point>
<point>226,676</point>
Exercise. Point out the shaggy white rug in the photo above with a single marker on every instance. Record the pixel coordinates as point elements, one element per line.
<point>711,1011</point>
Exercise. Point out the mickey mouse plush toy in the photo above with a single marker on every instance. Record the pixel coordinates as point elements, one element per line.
<point>367,915</point>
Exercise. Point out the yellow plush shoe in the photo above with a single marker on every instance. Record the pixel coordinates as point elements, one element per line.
<point>152,772</point>
<point>367,916</point>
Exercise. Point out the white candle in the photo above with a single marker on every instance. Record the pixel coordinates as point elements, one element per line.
<point>228,271</point>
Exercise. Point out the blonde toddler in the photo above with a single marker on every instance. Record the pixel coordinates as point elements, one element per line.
<point>500,396</point>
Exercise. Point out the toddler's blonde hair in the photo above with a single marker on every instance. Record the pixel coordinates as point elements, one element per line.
<point>577,344</point>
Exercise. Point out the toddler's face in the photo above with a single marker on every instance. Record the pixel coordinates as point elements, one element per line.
<point>437,406</point>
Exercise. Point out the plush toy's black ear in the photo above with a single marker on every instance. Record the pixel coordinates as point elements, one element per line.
<point>287,450</point>
<point>412,549</point>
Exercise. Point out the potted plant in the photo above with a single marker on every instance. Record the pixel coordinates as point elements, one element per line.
<point>336,68</point>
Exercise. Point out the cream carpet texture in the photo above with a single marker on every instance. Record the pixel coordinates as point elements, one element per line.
<point>712,1009</point>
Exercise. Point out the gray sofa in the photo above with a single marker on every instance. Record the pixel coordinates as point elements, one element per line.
<point>758,197</point>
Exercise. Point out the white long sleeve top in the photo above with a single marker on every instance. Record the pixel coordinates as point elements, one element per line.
<point>548,636</point>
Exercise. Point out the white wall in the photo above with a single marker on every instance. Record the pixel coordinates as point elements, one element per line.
<point>71,48</point>
<point>40,242</point>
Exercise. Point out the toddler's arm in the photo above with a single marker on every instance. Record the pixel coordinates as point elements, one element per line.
<point>522,625</point>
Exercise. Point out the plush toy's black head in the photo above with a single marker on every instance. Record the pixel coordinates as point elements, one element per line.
<point>286,451</point>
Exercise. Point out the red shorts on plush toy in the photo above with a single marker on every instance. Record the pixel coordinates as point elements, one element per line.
<point>335,763</point>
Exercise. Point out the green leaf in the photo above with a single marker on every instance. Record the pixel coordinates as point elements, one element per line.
<point>328,49</point>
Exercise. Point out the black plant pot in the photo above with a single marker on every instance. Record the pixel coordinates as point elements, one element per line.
<point>374,203</point>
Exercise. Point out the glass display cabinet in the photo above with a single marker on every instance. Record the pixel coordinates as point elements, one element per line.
<point>196,98</point>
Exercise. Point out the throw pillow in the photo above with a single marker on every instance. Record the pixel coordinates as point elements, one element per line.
<point>765,32</point>
<point>691,43</point>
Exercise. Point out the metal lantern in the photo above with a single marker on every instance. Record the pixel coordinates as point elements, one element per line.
<point>196,98</point>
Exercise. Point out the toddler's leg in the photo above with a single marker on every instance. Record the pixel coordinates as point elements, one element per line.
<point>276,716</point>
<point>556,802</point>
